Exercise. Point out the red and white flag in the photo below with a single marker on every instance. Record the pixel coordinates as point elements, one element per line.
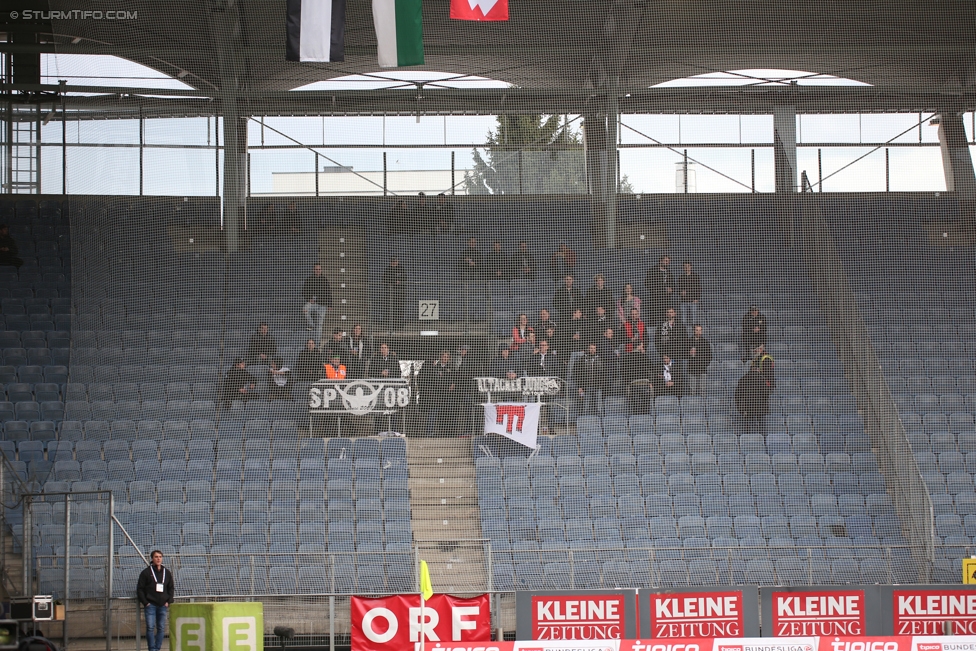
<point>479,9</point>
<point>516,421</point>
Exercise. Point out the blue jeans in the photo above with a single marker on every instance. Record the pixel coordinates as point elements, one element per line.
<point>315,317</point>
<point>155,625</point>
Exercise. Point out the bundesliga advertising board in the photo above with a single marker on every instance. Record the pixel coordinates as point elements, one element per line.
<point>828,643</point>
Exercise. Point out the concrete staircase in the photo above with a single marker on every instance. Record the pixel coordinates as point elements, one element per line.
<point>446,519</point>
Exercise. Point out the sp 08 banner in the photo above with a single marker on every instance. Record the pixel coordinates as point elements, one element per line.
<point>393,623</point>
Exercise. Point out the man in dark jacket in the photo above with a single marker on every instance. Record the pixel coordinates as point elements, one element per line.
<point>155,592</point>
<point>523,262</point>
<point>505,365</point>
<point>753,332</point>
<point>262,346</point>
<point>8,249</point>
<point>689,293</point>
<point>590,378</point>
<point>566,299</point>
<point>667,378</point>
<point>239,383</point>
<point>471,260</point>
<point>671,338</point>
<point>384,363</point>
<point>438,393</point>
<point>395,281</point>
<point>317,294</point>
<point>659,284</point>
<point>337,347</point>
<point>598,324</point>
<point>699,357</point>
<point>309,367</point>
<point>572,337</point>
<point>544,363</point>
<point>752,397</point>
<point>599,294</point>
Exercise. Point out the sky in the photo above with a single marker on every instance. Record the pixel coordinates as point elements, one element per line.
<point>192,171</point>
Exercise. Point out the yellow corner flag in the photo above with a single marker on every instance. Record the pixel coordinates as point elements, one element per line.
<point>426,591</point>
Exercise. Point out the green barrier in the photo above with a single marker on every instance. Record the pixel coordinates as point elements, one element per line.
<point>216,626</point>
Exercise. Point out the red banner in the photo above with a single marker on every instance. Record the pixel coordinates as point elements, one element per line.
<point>923,612</point>
<point>578,617</point>
<point>393,623</point>
<point>696,614</point>
<point>831,643</point>
<point>827,612</point>
<point>479,9</point>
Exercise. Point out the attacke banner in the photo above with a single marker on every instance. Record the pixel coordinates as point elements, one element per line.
<point>394,623</point>
<point>514,420</point>
<point>832,643</point>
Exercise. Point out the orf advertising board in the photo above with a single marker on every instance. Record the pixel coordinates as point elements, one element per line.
<point>843,611</point>
<point>705,612</point>
<point>923,610</point>
<point>584,615</point>
<point>394,623</point>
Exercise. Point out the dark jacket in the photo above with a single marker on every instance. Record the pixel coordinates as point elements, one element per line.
<point>146,588</point>
<point>501,366</point>
<point>671,340</point>
<point>472,255</point>
<point>567,344</point>
<point>317,287</point>
<point>551,366</point>
<point>749,323</point>
<point>589,373</point>
<point>596,327</point>
<point>698,365</point>
<point>752,394</point>
<point>522,260</point>
<point>657,283</point>
<point>309,367</point>
<point>436,385</point>
<point>378,364</point>
<point>333,347</point>
<point>261,344</point>
<point>235,380</point>
<point>596,297</point>
<point>691,285</point>
<point>565,301</point>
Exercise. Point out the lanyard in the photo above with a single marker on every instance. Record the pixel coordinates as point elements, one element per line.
<point>154,575</point>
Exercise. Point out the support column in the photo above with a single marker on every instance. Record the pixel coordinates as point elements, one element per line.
<point>600,143</point>
<point>784,147</point>
<point>235,175</point>
<point>956,161</point>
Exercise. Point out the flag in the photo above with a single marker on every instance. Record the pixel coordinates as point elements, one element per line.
<point>316,30</point>
<point>479,9</point>
<point>399,32</point>
<point>426,591</point>
<point>516,421</point>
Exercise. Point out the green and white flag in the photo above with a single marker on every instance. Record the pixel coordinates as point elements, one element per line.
<point>399,32</point>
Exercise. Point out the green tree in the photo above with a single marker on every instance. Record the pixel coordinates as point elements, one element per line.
<point>536,154</point>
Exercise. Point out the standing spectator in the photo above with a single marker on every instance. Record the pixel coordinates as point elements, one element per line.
<point>471,259</point>
<point>520,332</point>
<point>637,373</point>
<point>590,377</point>
<point>279,387</point>
<point>239,384</point>
<point>358,352</point>
<point>597,325</point>
<point>524,262</point>
<point>752,397</point>
<point>336,346</point>
<point>689,293</point>
<point>753,332</point>
<point>504,365</point>
<point>659,284</point>
<point>572,337</point>
<point>466,369</point>
<point>526,350</point>
<point>262,346</point>
<point>667,379</point>
<point>598,294</point>
<point>155,590</point>
<point>566,299</point>
<point>544,323</point>
<point>563,260</point>
<point>8,249</point>
<point>699,357</point>
<point>438,383</point>
<point>671,337</point>
<point>310,365</point>
<point>626,303</point>
<point>443,213</point>
<point>317,294</point>
<point>635,330</point>
<point>395,281</point>
<point>384,363</point>
<point>335,369</point>
<point>608,348</point>
<point>498,265</point>
<point>544,363</point>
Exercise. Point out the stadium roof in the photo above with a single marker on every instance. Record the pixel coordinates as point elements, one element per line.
<point>560,55</point>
